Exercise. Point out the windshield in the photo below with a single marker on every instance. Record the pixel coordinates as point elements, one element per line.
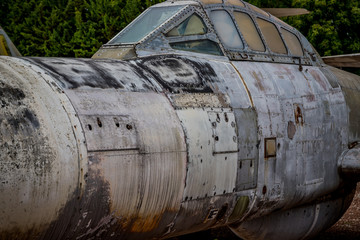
<point>146,23</point>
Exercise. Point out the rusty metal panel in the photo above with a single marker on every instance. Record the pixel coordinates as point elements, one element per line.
<point>261,81</point>
<point>88,73</point>
<point>179,74</point>
<point>246,176</point>
<point>209,173</point>
<point>144,109</point>
<point>305,114</point>
<point>231,83</point>
<point>40,158</point>
<point>115,53</point>
<point>224,132</point>
<point>145,189</point>
<point>142,160</point>
<point>199,100</point>
<point>202,214</point>
<point>318,83</point>
<point>248,152</point>
<point>309,220</point>
<point>109,133</point>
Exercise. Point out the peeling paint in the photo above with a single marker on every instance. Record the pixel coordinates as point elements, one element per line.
<point>299,118</point>
<point>291,129</point>
<point>91,137</point>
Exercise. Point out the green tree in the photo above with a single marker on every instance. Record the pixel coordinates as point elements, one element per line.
<point>77,28</point>
<point>68,28</point>
<point>332,26</point>
<point>39,28</point>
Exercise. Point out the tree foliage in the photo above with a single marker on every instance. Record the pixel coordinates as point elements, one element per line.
<point>77,28</point>
<point>68,28</point>
<point>333,27</point>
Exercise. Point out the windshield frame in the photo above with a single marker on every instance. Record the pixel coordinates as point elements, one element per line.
<point>181,8</point>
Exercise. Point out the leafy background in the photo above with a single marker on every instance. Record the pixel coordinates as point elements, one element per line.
<point>77,28</point>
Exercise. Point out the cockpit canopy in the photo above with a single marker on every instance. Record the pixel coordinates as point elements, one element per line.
<point>147,22</point>
<point>224,28</point>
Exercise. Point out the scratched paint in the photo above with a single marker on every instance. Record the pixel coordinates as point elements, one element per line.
<point>284,110</point>
<point>164,145</point>
<point>38,149</point>
<point>158,156</point>
<point>149,177</point>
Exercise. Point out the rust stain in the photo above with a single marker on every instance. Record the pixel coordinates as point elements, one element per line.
<point>284,73</point>
<point>299,119</point>
<point>291,129</point>
<point>318,79</point>
<point>20,233</point>
<point>308,83</point>
<point>145,224</point>
<point>246,87</point>
<point>311,97</point>
<point>222,99</point>
<point>259,84</point>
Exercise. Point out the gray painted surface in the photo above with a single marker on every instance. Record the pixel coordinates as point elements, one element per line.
<point>167,143</point>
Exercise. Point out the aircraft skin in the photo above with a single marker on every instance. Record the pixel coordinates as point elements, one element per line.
<point>169,141</point>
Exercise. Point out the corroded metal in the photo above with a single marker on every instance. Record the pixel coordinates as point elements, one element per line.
<point>41,161</point>
<point>167,144</point>
<point>309,220</point>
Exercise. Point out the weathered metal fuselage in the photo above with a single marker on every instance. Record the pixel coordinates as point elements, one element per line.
<point>167,145</point>
<point>194,132</point>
